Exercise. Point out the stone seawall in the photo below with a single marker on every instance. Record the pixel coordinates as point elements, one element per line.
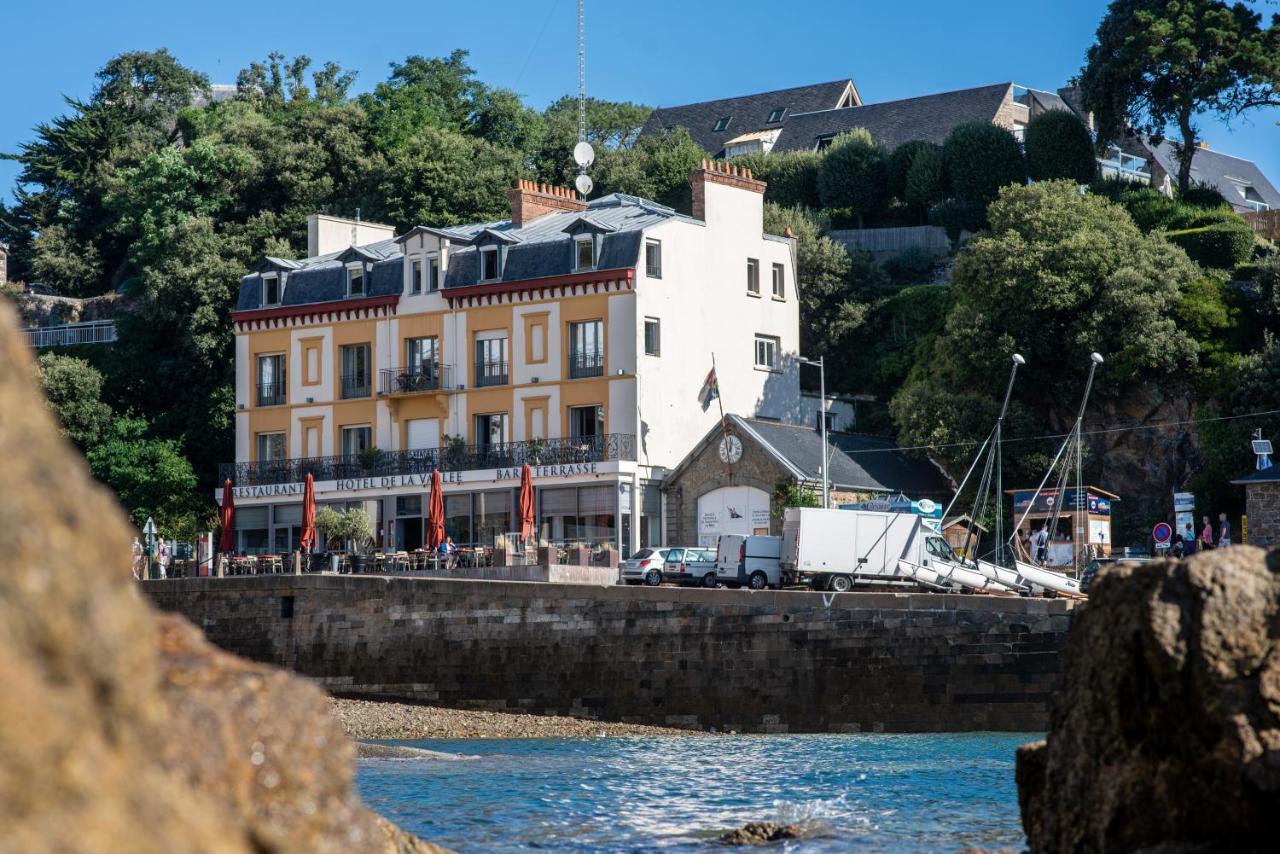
<point>769,661</point>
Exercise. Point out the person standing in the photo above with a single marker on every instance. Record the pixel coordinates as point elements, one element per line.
<point>1224,531</point>
<point>1041,540</point>
<point>1189,540</point>
<point>1206,535</point>
<point>137,559</point>
<point>162,557</point>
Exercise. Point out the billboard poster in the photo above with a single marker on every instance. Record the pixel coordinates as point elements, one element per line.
<point>1048,501</point>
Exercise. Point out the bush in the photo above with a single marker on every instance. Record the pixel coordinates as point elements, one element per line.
<point>1202,196</point>
<point>926,179</point>
<point>793,179</point>
<point>910,267</point>
<point>1058,145</point>
<point>1151,209</point>
<point>899,165</point>
<point>956,216</point>
<point>980,158</point>
<point>854,175</point>
<point>1222,245</point>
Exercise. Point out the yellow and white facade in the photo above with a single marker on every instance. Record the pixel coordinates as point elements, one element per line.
<point>573,337</point>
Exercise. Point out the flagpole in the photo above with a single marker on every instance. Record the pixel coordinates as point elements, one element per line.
<point>724,430</point>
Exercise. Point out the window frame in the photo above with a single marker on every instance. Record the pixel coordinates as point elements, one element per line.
<point>772,345</point>
<point>824,141</point>
<point>353,269</point>
<point>780,112</point>
<point>753,277</point>
<point>593,346</point>
<point>653,271</point>
<point>778,282</point>
<point>271,434</point>
<point>486,432</point>
<point>433,273</point>
<point>722,124</point>
<point>274,279</point>
<point>578,243</point>
<point>279,381</point>
<point>597,420</point>
<point>343,373</point>
<point>345,429</point>
<point>496,252</point>
<point>415,276</point>
<point>656,324</point>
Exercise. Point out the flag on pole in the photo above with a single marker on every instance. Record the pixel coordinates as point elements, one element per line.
<point>710,390</point>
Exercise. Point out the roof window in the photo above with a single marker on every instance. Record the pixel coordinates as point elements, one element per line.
<point>776,115</point>
<point>722,123</point>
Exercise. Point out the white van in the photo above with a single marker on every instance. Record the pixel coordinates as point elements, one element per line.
<point>748,561</point>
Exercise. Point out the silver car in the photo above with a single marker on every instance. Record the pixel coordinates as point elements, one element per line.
<point>645,566</point>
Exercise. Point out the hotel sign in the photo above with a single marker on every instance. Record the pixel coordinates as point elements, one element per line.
<point>420,481</point>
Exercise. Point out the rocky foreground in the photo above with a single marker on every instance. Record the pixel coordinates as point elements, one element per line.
<point>125,730</point>
<point>368,719</point>
<point>1167,733</point>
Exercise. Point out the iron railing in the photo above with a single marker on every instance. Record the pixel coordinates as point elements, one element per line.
<point>70,334</point>
<point>415,378</point>
<point>588,363</point>
<point>271,394</point>
<point>356,385</point>
<point>491,373</point>
<point>539,452</point>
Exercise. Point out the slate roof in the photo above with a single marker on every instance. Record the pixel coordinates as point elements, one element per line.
<point>542,248</point>
<point>1268,475</point>
<point>747,112</point>
<point>891,123</point>
<point>862,463</point>
<point>1217,169</point>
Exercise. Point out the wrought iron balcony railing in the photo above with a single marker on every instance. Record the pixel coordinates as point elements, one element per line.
<point>415,378</point>
<point>491,373</point>
<point>271,394</point>
<point>356,385</point>
<point>589,363</point>
<point>539,452</point>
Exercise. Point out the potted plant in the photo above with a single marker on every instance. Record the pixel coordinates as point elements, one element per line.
<point>455,450</point>
<point>358,531</point>
<point>330,525</point>
<point>537,447</point>
<point>369,457</point>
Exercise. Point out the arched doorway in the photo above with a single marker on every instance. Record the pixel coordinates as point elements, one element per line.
<point>742,510</point>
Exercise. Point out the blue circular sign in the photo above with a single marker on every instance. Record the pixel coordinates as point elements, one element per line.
<point>1162,532</point>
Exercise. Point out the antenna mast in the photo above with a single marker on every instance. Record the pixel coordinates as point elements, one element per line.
<point>583,154</point>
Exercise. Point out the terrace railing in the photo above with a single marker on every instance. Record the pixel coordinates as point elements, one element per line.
<point>491,373</point>
<point>586,363</point>
<point>356,385</point>
<point>71,334</point>
<point>271,394</point>
<point>412,379</point>
<point>538,452</point>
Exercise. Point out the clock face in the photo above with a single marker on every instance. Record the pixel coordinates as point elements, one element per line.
<point>730,449</point>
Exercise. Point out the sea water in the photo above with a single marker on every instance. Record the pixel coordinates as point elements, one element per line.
<point>679,793</point>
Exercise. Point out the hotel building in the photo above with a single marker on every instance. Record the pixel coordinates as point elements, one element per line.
<point>573,336</point>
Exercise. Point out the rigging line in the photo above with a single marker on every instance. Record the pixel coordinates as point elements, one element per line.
<point>1159,425</point>
<point>546,21</point>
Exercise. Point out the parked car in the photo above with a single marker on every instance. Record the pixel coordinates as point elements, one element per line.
<point>1091,570</point>
<point>645,567</point>
<point>749,561</point>
<point>688,565</point>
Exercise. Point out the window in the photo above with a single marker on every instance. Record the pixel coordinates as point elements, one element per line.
<point>355,371</point>
<point>490,269</point>
<point>767,352</point>
<point>433,274</point>
<point>270,447</point>
<point>271,380</point>
<point>586,349</point>
<point>824,141</point>
<point>586,423</point>
<point>355,281</point>
<point>584,253</point>
<point>415,278</point>
<point>356,439</point>
<point>653,259</point>
<point>652,336</point>
<point>491,430</point>
<point>828,418</point>
<point>491,359</point>
<point>271,290</point>
<point>722,123</point>
<point>421,369</point>
<point>779,281</point>
<point>776,115</point>
<point>753,277</point>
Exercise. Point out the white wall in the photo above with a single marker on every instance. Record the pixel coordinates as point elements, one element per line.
<point>841,410</point>
<point>327,234</point>
<point>298,369</point>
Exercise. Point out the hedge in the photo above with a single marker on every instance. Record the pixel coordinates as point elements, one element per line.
<point>1222,245</point>
<point>1058,146</point>
<point>981,158</point>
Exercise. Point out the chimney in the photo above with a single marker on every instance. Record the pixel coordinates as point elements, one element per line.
<point>1202,145</point>
<point>723,174</point>
<point>531,200</point>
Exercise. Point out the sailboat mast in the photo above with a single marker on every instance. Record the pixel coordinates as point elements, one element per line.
<point>980,497</point>
<point>1080,536</point>
<point>999,451</point>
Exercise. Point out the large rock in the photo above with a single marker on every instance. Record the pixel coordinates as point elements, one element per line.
<point>1167,733</point>
<point>122,731</point>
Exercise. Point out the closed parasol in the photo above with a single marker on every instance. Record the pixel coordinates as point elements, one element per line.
<point>435,512</point>
<point>227,542</point>
<point>308,541</point>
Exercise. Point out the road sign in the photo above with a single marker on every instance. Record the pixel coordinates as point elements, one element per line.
<point>1184,501</point>
<point>1162,532</point>
<point>150,528</point>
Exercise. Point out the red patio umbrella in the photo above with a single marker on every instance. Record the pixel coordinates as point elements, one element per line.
<point>308,541</point>
<point>526,503</point>
<point>227,542</point>
<point>435,512</point>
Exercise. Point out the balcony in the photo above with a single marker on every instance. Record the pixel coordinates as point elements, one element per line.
<point>356,385</point>
<point>490,374</point>
<point>72,334</point>
<point>415,379</point>
<point>271,394</point>
<point>544,452</point>
<point>586,364</point>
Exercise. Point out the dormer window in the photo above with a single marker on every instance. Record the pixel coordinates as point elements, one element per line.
<point>355,280</point>
<point>271,289</point>
<point>415,276</point>
<point>776,115</point>
<point>490,264</point>
<point>433,273</point>
<point>722,123</point>
<point>584,252</point>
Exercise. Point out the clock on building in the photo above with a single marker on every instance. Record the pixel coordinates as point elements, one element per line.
<point>730,449</point>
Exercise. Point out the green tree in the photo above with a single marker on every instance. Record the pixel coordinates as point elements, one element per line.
<point>854,175</point>
<point>502,119</point>
<point>610,126</point>
<point>73,388</point>
<point>792,176</point>
<point>281,81</point>
<point>925,182</point>
<point>1158,64</point>
<point>423,93</point>
<point>657,167</point>
<point>980,158</point>
<point>900,160</point>
<point>1058,145</point>
<point>150,476</point>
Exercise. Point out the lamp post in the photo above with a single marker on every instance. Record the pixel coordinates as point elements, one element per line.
<point>822,415</point>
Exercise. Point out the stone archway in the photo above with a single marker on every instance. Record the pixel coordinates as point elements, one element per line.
<point>740,509</point>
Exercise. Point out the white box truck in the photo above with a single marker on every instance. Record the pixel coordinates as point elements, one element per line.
<point>834,549</point>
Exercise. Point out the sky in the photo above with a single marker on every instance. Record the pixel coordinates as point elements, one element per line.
<point>656,52</point>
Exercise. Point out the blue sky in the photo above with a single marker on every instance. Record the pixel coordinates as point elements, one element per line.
<point>658,52</point>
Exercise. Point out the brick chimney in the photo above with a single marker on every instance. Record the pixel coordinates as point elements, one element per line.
<point>725,174</point>
<point>530,200</point>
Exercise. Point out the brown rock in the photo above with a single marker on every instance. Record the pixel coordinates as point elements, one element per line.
<point>1166,735</point>
<point>760,832</point>
<point>120,731</point>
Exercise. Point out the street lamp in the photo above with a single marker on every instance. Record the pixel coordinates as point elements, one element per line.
<point>822,415</point>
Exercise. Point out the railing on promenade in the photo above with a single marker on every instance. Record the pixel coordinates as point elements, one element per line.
<point>71,334</point>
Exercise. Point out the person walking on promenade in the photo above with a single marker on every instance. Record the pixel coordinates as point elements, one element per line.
<point>1206,535</point>
<point>1189,541</point>
<point>162,557</point>
<point>137,559</point>
<point>1041,541</point>
<point>1224,531</point>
